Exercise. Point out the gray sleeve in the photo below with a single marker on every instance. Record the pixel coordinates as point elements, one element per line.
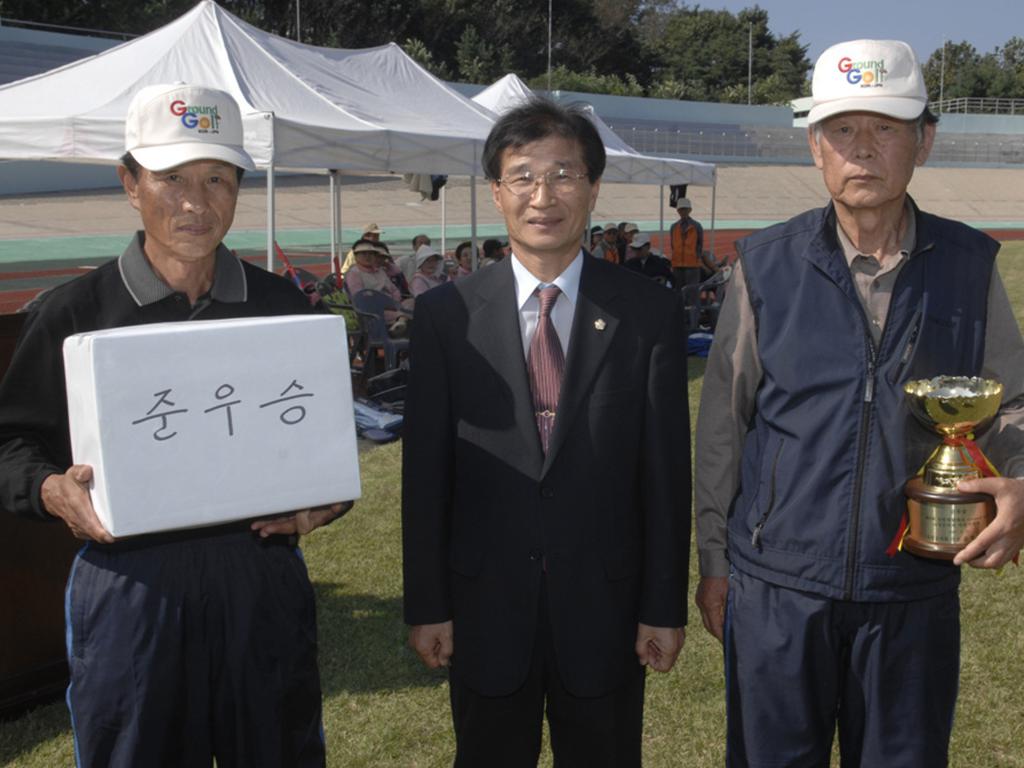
<point>727,402</point>
<point>1003,441</point>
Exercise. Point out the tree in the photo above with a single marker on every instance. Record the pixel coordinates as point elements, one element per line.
<point>418,52</point>
<point>706,52</point>
<point>962,72</point>
<point>1009,80</point>
<point>565,79</point>
<point>632,47</point>
<point>476,58</point>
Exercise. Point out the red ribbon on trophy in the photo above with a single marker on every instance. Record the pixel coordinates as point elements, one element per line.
<point>974,457</point>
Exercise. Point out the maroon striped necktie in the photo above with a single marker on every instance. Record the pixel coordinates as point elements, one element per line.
<point>545,362</point>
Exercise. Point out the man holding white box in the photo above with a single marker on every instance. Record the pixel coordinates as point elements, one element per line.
<point>201,642</point>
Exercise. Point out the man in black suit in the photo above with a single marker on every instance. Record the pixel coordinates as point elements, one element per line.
<point>546,473</point>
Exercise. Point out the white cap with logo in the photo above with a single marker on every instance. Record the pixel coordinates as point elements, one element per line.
<point>880,76</point>
<point>170,125</point>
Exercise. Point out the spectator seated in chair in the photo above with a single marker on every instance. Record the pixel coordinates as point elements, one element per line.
<point>648,263</point>
<point>367,274</point>
<point>627,231</point>
<point>371,232</point>
<point>387,265</point>
<point>428,271</point>
<point>608,247</point>
<point>464,257</point>
<point>494,251</point>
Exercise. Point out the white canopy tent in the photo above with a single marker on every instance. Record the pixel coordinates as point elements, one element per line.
<point>304,107</point>
<point>624,163</point>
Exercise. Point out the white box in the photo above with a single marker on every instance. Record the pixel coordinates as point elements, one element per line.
<point>199,423</point>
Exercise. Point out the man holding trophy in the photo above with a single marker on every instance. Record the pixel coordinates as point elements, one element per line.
<point>839,483</point>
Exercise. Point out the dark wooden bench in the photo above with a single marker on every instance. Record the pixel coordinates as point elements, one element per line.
<point>33,570</point>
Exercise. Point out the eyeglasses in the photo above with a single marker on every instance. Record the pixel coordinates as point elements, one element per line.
<point>558,182</point>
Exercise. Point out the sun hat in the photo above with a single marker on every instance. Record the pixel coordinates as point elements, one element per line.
<point>880,76</point>
<point>423,253</point>
<point>368,248</point>
<point>170,125</point>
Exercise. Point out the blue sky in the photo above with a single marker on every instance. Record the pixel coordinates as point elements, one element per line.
<point>922,23</point>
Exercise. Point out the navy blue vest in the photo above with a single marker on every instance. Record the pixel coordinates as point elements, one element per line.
<point>832,442</point>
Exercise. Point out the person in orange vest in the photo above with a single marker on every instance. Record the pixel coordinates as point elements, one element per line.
<point>608,248</point>
<point>686,247</point>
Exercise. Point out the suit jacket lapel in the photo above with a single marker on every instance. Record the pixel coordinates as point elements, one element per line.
<point>495,332</point>
<point>593,328</point>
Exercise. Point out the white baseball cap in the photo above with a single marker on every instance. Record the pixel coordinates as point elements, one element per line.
<point>169,125</point>
<point>880,76</point>
<point>640,241</point>
<point>684,202</point>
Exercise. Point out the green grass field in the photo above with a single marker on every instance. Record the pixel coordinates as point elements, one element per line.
<point>381,708</point>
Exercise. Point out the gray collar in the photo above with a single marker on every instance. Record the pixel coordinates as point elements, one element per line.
<point>146,287</point>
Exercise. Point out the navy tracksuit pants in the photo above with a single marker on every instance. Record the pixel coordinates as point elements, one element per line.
<point>193,648</point>
<point>798,665</point>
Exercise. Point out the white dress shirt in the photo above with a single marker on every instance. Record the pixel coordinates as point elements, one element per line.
<point>529,304</point>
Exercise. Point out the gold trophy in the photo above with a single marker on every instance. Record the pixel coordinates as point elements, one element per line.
<point>942,520</point>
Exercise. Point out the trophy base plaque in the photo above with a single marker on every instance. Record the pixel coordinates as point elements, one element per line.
<point>942,521</point>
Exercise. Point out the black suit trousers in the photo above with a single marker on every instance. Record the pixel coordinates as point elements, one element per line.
<point>505,731</point>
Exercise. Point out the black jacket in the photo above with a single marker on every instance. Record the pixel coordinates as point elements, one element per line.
<point>34,437</point>
<point>606,512</point>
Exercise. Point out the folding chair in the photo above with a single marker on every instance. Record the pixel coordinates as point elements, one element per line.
<point>704,300</point>
<point>371,306</point>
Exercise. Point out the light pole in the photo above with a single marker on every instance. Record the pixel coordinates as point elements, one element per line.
<point>549,46</point>
<point>942,75</point>
<point>750,59</point>
<point>298,20</point>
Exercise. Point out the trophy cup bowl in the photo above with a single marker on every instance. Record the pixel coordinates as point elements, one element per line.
<point>941,519</point>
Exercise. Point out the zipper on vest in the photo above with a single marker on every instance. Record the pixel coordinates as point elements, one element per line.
<point>858,488</point>
<point>865,424</point>
<point>755,538</point>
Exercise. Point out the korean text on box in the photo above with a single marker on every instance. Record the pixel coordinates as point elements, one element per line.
<point>202,423</point>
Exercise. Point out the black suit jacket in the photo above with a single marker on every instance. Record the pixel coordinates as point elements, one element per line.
<point>606,512</point>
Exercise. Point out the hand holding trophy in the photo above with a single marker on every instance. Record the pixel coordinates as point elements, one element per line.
<point>942,520</point>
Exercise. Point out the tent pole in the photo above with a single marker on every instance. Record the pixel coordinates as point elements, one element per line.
<point>714,189</point>
<point>472,205</point>
<point>661,218</point>
<point>444,223</point>
<point>271,226</point>
<point>270,217</point>
<point>332,177</point>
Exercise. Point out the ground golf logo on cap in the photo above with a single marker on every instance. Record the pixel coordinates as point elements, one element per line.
<point>869,73</point>
<point>202,119</point>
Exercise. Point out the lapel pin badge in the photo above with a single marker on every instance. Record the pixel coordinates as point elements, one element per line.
<point>600,324</point>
